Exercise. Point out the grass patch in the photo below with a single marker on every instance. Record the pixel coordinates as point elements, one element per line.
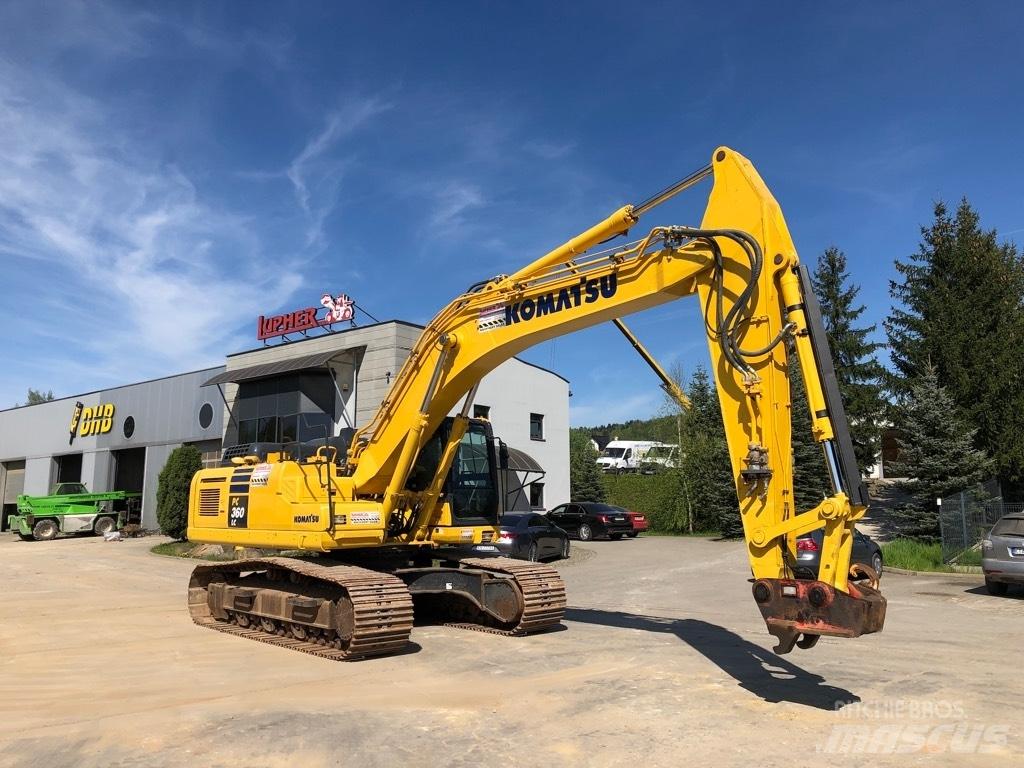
<point>173,549</point>
<point>914,555</point>
<point>198,551</point>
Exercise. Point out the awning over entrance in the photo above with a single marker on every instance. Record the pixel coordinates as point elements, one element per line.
<point>520,461</point>
<point>272,369</point>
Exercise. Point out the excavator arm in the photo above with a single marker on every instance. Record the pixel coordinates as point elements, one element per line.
<point>757,304</point>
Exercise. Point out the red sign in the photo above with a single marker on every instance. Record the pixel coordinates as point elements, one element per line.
<point>339,309</point>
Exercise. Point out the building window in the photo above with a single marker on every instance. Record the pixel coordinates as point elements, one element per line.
<point>537,495</point>
<point>285,409</point>
<point>536,426</point>
<point>206,416</point>
<point>129,427</point>
<point>482,412</point>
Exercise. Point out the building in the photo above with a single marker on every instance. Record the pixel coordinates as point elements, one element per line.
<point>300,390</point>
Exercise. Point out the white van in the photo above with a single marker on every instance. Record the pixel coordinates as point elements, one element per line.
<point>624,455</point>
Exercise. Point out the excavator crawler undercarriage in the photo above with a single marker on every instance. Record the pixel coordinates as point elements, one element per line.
<point>347,612</point>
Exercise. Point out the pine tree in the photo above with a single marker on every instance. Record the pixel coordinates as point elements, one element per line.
<point>705,464</point>
<point>936,454</point>
<point>858,372</point>
<point>584,473</point>
<point>810,478</point>
<point>960,311</point>
<point>38,396</point>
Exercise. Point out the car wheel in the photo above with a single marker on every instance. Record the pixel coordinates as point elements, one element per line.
<point>533,553</point>
<point>614,536</point>
<point>45,530</point>
<point>585,532</point>
<point>995,587</point>
<point>634,534</point>
<point>876,563</point>
<point>565,549</point>
<point>103,525</point>
<point>26,536</point>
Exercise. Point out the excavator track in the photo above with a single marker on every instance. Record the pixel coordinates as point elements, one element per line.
<point>338,612</point>
<point>542,589</point>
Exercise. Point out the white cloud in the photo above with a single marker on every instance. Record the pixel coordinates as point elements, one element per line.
<point>315,175</point>
<point>150,277</point>
<point>451,202</point>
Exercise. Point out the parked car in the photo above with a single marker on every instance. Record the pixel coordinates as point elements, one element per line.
<point>1002,554</point>
<point>808,553</point>
<point>639,521</point>
<point>588,519</point>
<point>529,536</point>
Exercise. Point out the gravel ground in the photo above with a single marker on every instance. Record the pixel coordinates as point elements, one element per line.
<point>663,660</point>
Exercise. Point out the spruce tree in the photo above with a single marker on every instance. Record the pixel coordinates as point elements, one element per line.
<point>858,372</point>
<point>810,477</point>
<point>705,463</point>
<point>584,473</point>
<point>959,310</point>
<point>936,454</point>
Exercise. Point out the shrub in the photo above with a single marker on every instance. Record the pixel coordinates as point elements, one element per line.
<point>172,490</point>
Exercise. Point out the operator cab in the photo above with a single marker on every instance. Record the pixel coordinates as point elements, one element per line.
<point>471,487</point>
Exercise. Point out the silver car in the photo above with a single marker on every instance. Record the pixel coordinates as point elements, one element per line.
<point>1002,554</point>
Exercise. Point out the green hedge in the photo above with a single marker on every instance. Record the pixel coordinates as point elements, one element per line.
<point>661,497</point>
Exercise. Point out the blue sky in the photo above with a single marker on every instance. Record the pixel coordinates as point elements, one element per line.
<point>170,171</point>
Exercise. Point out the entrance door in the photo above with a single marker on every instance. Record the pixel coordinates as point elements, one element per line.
<point>129,476</point>
<point>14,486</point>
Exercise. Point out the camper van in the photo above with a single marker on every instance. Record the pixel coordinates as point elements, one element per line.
<point>624,455</point>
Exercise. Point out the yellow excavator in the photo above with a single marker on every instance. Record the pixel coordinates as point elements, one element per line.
<point>400,511</point>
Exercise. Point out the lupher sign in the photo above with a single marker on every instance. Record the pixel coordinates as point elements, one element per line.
<point>339,309</point>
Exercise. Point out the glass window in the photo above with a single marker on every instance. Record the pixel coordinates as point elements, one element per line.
<point>267,431</point>
<point>289,428</point>
<point>1009,526</point>
<point>317,392</point>
<point>266,397</point>
<point>205,415</point>
<point>246,401</point>
<point>315,426</point>
<point>247,431</point>
<point>481,412</point>
<point>537,495</point>
<point>536,426</point>
<point>473,492</point>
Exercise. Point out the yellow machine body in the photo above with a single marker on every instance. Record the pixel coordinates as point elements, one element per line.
<point>740,262</point>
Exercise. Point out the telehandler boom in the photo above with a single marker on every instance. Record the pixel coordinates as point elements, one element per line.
<point>411,495</point>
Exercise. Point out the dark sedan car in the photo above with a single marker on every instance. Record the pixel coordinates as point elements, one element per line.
<point>588,519</point>
<point>808,553</point>
<point>529,536</point>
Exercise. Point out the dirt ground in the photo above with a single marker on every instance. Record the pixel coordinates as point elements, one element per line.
<point>663,660</point>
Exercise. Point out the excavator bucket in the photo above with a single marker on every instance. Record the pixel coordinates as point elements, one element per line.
<point>798,611</point>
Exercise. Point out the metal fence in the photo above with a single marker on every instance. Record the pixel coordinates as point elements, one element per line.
<point>966,517</point>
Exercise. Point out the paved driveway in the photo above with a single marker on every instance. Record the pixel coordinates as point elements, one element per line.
<point>663,662</point>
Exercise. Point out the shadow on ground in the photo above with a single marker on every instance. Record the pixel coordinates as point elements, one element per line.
<point>1013,593</point>
<point>772,678</point>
